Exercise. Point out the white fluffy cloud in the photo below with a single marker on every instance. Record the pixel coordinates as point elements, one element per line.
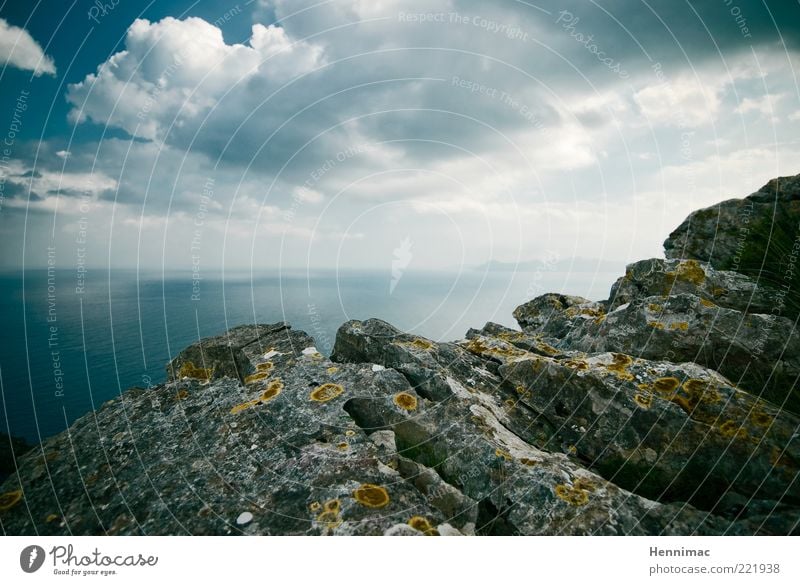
<point>685,102</point>
<point>172,72</point>
<point>20,50</point>
<point>766,105</point>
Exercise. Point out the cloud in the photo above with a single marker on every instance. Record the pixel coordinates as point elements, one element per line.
<point>20,50</point>
<point>306,195</point>
<point>341,129</point>
<point>764,105</point>
<point>684,101</point>
<point>172,72</point>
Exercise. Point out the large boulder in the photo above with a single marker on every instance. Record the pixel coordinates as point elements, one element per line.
<point>759,351</point>
<point>276,455</point>
<point>471,440</point>
<point>665,278</point>
<point>228,355</point>
<point>758,236</point>
<point>671,432</point>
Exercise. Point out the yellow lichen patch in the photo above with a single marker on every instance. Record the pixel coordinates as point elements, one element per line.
<point>405,401</point>
<point>503,454</point>
<point>653,307</point>
<point>584,484</point>
<point>420,343</point>
<point>9,500</point>
<point>691,394</point>
<point>619,366</point>
<point>314,506</point>
<point>331,520</point>
<point>258,376</point>
<point>680,325</point>
<point>528,462</point>
<point>421,524</point>
<point>577,364</point>
<point>707,303</point>
<point>584,311</point>
<point>511,336</point>
<point>594,313</point>
<point>245,405</point>
<point>182,394</point>
<point>371,496</point>
<point>52,518</point>
<point>731,430</point>
<point>541,346</point>
<point>349,433</point>
<point>572,495</point>
<point>690,271</point>
<point>698,391</point>
<point>655,324</point>
<point>326,392</point>
<point>522,391</point>
<point>643,401</point>
<point>265,367</point>
<point>188,370</point>
<point>332,370</point>
<point>499,349</point>
<point>760,418</point>
<point>343,446</point>
<point>665,387</point>
<point>718,291</point>
<point>275,387</point>
<point>510,403</point>
<point>572,450</point>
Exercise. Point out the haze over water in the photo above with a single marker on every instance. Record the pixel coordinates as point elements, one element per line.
<point>121,332</point>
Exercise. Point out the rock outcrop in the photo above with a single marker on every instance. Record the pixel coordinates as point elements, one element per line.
<point>758,236</point>
<point>670,408</point>
<point>681,311</point>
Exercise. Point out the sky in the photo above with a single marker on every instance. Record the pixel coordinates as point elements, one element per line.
<point>358,134</point>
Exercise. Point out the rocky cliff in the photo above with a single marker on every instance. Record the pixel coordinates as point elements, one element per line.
<point>670,408</point>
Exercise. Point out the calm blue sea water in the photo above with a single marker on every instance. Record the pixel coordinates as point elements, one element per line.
<point>126,326</point>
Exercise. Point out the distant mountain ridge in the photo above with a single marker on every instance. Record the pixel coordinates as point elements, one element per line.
<point>576,264</point>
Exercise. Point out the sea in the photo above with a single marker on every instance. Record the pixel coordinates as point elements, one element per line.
<point>67,349</point>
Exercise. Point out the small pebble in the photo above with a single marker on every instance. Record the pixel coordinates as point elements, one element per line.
<point>244,519</point>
